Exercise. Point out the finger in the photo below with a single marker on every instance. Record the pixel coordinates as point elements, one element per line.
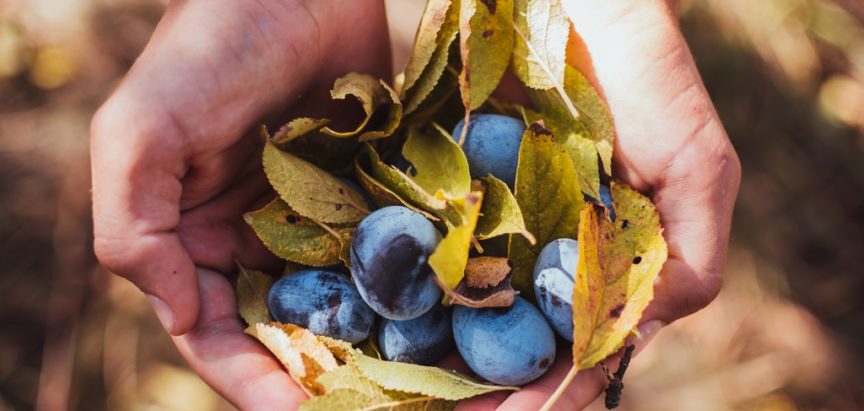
<point>233,363</point>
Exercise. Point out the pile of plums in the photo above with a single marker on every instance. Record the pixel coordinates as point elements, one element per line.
<point>390,278</point>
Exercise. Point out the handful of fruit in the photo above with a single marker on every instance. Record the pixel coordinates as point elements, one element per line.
<point>494,238</point>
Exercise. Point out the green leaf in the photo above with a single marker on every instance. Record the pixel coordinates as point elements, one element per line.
<point>296,238</point>
<point>425,42</point>
<point>252,289</point>
<point>383,196</point>
<point>439,162</point>
<point>539,56</point>
<point>311,191</point>
<point>594,121</point>
<point>486,42</point>
<point>353,400</point>
<point>618,264</point>
<point>423,380</point>
<point>350,377</point>
<point>400,184</point>
<point>500,214</point>
<point>547,190</point>
<point>451,256</point>
<point>416,92</point>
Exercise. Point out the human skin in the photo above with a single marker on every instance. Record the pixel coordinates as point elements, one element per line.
<point>174,166</point>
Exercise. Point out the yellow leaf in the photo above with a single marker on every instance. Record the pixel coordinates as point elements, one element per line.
<point>486,42</point>
<point>252,290</point>
<point>451,256</point>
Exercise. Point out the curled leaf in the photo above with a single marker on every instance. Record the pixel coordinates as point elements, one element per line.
<point>486,42</point>
<point>547,190</point>
<point>311,191</point>
<point>425,42</point>
<point>618,264</point>
<point>451,256</point>
<point>484,272</point>
<point>296,238</point>
<point>297,128</point>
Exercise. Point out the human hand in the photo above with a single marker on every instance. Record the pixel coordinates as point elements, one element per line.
<point>174,168</point>
<point>669,144</point>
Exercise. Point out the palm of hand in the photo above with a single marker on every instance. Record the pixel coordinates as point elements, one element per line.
<point>173,171</point>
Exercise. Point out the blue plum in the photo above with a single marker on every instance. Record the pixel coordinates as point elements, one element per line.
<point>423,340</point>
<point>606,199</point>
<point>553,284</point>
<point>508,346</point>
<point>389,254</point>
<point>492,145</point>
<point>325,302</point>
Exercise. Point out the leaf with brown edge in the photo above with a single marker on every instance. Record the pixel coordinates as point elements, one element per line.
<point>296,238</point>
<point>416,93</point>
<point>369,91</point>
<point>300,353</point>
<point>311,191</point>
<point>342,350</point>
<point>381,195</point>
<point>539,55</point>
<point>439,162</point>
<point>252,289</point>
<point>618,264</point>
<point>486,42</point>
<point>548,193</point>
<point>486,284</point>
<point>425,42</point>
<point>500,213</point>
<point>297,128</point>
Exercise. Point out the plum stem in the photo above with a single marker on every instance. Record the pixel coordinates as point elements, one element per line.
<point>561,387</point>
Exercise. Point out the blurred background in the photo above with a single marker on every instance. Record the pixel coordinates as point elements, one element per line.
<point>786,333</point>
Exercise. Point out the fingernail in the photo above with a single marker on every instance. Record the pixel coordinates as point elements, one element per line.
<point>163,312</point>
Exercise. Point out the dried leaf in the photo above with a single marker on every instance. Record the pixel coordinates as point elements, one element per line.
<point>439,162</point>
<point>342,350</point>
<point>311,191</point>
<point>547,190</point>
<point>484,272</point>
<point>618,264</point>
<point>500,214</point>
<point>297,128</point>
<point>486,42</point>
<point>501,294</point>
<point>381,195</point>
<point>419,91</point>
<point>296,238</point>
<point>451,256</point>
<point>252,289</point>
<point>299,351</point>
<point>418,379</point>
<point>352,400</point>
<point>539,55</point>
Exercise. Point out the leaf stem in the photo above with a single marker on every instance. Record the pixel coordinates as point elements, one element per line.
<point>465,127</point>
<point>561,387</point>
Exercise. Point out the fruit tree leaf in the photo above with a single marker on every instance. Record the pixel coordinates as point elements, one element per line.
<point>547,190</point>
<point>594,121</point>
<point>381,195</point>
<point>346,399</point>
<point>418,379</point>
<point>311,191</point>
<point>297,128</point>
<point>252,289</point>
<point>451,255</point>
<point>486,42</point>
<point>500,213</point>
<point>539,54</point>
<point>439,162</point>
<point>487,283</point>
<point>425,44</point>
<point>296,238</point>
<point>417,92</point>
<point>342,350</point>
<point>484,272</point>
<point>299,351</point>
<point>618,263</point>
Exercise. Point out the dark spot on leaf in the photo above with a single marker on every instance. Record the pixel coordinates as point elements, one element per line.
<point>292,219</point>
<point>616,311</point>
<point>544,363</point>
<point>487,33</point>
<point>341,191</point>
<point>338,207</point>
<point>537,129</point>
<point>624,224</point>
<point>637,260</point>
<point>491,5</point>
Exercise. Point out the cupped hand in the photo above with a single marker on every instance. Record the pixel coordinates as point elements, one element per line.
<point>174,165</point>
<point>670,145</point>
